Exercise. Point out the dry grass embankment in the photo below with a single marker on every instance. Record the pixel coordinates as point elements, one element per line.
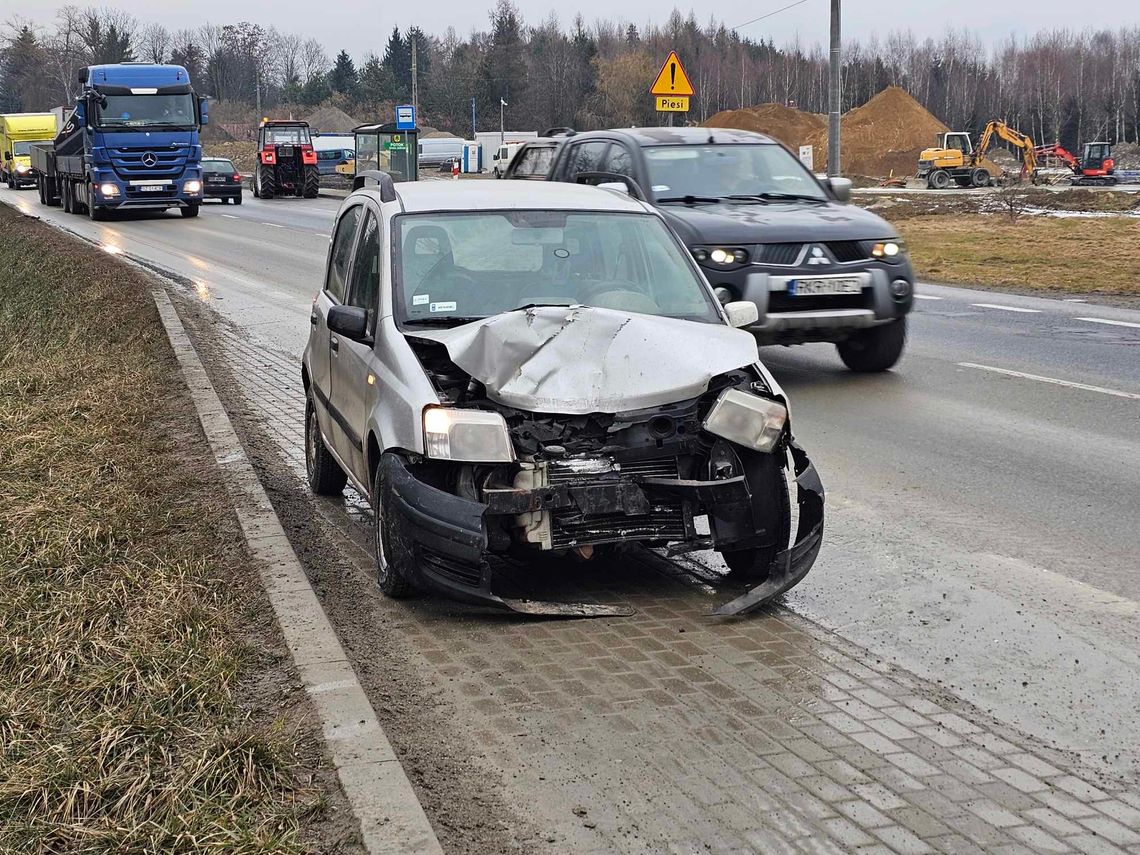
<point>1077,255</point>
<point>126,603</point>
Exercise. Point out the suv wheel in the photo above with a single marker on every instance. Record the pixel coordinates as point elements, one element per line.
<point>326,478</point>
<point>874,349</point>
<point>392,553</point>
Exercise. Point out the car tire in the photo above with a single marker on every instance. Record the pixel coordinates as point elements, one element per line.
<point>394,559</point>
<point>875,349</point>
<point>190,211</point>
<point>98,214</point>
<point>980,177</point>
<point>67,198</point>
<point>237,200</point>
<point>771,511</point>
<point>325,476</point>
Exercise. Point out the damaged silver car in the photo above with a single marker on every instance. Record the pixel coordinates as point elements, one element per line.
<point>518,369</point>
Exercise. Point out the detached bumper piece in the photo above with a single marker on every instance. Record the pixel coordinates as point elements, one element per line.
<point>447,539</point>
<point>791,565</point>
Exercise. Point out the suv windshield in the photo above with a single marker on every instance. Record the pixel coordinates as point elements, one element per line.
<point>455,268</point>
<point>751,169</point>
<point>137,111</point>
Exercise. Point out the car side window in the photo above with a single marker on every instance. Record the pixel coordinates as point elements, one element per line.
<point>619,161</point>
<point>585,157</point>
<point>533,162</point>
<point>366,270</point>
<point>341,250</point>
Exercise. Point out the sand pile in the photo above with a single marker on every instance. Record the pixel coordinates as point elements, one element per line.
<point>331,120</point>
<point>790,126</point>
<point>242,154</point>
<point>1126,155</point>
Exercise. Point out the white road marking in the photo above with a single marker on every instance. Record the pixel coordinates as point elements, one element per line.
<point>273,225</point>
<point>231,217</point>
<point>1074,300</point>
<point>926,297</point>
<point>1006,308</point>
<point>321,234</point>
<point>1110,323</point>
<point>1084,387</point>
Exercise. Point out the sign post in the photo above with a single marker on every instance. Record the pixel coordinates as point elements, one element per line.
<point>672,87</point>
<point>405,117</point>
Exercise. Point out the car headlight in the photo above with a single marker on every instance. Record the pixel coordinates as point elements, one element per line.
<point>889,250</point>
<point>747,420</point>
<point>108,189</point>
<point>192,186</point>
<point>722,255</point>
<point>23,168</point>
<point>469,436</point>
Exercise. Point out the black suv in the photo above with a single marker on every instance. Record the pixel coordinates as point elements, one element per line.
<point>764,229</point>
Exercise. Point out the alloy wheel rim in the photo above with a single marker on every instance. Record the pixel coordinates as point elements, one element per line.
<point>311,442</point>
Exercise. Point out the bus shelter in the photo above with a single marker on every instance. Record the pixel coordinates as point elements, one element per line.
<point>389,149</point>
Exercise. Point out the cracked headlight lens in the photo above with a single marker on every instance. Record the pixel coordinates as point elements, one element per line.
<point>468,436</point>
<point>747,420</point>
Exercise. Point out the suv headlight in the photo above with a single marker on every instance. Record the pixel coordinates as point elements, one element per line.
<point>889,250</point>
<point>468,436</point>
<point>747,420</point>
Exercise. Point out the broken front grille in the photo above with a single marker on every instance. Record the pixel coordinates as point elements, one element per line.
<point>665,520</point>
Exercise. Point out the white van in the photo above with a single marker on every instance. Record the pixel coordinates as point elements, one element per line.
<point>504,156</point>
<point>437,151</point>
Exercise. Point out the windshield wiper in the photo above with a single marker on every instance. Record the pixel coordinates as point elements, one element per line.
<point>545,306</point>
<point>441,321</point>
<point>689,200</point>
<point>765,197</point>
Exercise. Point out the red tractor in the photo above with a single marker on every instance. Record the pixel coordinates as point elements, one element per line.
<point>286,161</point>
<point>1096,167</point>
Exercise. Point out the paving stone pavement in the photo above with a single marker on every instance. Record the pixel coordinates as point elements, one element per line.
<point>672,731</point>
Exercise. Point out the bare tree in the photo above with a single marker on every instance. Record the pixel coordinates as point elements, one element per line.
<point>155,43</point>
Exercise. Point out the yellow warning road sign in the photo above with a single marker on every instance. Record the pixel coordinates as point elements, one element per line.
<point>666,104</point>
<point>671,80</point>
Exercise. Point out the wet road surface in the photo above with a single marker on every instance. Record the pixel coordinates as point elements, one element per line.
<point>981,550</point>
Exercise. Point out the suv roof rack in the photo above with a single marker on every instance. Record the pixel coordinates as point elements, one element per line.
<point>559,132</point>
<point>383,179</point>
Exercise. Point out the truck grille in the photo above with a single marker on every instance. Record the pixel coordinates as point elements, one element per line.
<point>128,161</point>
<point>665,521</point>
<point>780,253</point>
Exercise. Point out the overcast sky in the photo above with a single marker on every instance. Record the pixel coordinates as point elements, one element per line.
<point>361,27</point>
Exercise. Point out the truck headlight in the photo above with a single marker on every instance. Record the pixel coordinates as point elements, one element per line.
<point>108,189</point>
<point>469,436</point>
<point>889,250</point>
<point>192,186</point>
<point>747,420</point>
<point>23,168</point>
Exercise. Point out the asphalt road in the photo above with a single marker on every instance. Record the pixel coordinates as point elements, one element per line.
<point>984,498</point>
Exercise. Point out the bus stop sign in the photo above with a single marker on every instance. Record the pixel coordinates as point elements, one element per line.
<point>405,117</point>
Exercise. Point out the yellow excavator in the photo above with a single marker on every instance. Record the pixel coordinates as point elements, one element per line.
<point>954,160</point>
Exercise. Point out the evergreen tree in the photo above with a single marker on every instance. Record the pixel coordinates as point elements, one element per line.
<point>397,62</point>
<point>21,73</point>
<point>343,77</point>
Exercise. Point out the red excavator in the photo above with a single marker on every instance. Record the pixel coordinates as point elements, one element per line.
<point>1095,168</point>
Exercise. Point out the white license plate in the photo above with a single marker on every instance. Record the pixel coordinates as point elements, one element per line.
<point>151,188</point>
<point>817,287</point>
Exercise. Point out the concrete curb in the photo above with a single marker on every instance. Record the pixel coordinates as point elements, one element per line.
<point>391,817</point>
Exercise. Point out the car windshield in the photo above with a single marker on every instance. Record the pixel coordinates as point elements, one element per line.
<point>218,166</point>
<point>286,135</point>
<point>25,147</point>
<point>138,111</point>
<point>455,268</point>
<point>719,171</point>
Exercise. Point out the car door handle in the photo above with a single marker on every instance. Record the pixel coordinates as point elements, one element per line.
<point>313,319</point>
<point>334,344</point>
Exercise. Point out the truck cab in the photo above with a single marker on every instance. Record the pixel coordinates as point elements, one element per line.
<point>131,142</point>
<point>18,132</point>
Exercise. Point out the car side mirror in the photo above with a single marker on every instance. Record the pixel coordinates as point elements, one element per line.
<point>349,321</point>
<point>742,313</point>
<point>203,111</point>
<point>7,155</point>
<point>840,189</point>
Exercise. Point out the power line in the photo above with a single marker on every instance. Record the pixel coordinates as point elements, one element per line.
<point>770,14</point>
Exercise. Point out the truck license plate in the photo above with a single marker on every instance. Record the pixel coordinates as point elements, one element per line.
<point>818,287</point>
<point>151,188</point>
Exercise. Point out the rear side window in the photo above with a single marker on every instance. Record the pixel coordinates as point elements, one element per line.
<point>585,157</point>
<point>341,251</point>
<point>533,162</point>
<point>619,161</point>
<point>366,270</point>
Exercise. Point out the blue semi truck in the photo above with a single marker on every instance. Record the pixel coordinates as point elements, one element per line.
<point>130,143</point>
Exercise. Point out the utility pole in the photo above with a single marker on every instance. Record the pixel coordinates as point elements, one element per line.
<point>415,77</point>
<point>835,106</point>
<point>472,118</point>
<point>502,120</point>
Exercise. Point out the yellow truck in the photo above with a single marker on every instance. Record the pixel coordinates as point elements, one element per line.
<point>17,133</point>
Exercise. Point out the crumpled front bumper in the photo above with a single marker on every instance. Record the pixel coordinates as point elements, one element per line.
<point>445,538</point>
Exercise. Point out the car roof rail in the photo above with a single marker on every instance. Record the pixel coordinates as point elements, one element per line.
<point>383,179</point>
<point>559,132</point>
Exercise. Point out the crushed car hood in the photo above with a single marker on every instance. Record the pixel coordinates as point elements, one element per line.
<point>578,360</point>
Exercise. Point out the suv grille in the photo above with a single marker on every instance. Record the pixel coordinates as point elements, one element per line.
<point>845,251</point>
<point>780,253</point>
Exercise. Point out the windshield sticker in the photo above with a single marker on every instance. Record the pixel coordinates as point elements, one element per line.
<point>660,188</point>
<point>442,307</point>
<point>420,299</point>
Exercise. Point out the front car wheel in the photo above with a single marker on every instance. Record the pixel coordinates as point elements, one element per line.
<point>874,349</point>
